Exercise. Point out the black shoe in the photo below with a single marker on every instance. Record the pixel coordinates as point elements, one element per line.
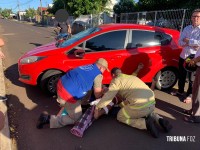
<point>165,125</point>
<point>150,124</point>
<point>85,107</point>
<point>43,119</point>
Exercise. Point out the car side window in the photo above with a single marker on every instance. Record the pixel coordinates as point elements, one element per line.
<point>80,46</point>
<point>148,38</point>
<point>108,41</point>
<point>166,39</point>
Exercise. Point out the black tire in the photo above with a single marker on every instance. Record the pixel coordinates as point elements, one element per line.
<point>49,81</point>
<point>167,78</point>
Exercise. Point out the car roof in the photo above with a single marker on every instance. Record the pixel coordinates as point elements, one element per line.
<point>135,26</point>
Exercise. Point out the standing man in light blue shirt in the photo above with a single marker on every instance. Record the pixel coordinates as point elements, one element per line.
<point>190,41</point>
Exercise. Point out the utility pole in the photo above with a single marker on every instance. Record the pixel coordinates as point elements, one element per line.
<point>18,16</point>
<point>41,18</point>
<point>41,7</point>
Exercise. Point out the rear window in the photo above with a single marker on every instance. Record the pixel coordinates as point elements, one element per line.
<point>149,38</point>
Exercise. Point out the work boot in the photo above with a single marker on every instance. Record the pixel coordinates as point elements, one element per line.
<point>165,125</point>
<point>150,124</point>
<point>43,119</point>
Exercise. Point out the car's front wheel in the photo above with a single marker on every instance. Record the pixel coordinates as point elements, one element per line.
<point>167,78</point>
<point>49,81</point>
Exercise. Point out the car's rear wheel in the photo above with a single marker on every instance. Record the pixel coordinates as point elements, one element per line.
<point>49,81</point>
<point>167,78</point>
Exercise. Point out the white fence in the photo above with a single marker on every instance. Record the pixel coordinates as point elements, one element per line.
<point>175,19</point>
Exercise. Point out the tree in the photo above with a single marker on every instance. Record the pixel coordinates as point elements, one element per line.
<point>30,13</point>
<point>6,12</point>
<point>79,7</point>
<point>124,6</point>
<point>152,5</point>
<point>192,4</point>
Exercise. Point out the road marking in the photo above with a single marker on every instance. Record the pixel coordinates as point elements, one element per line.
<point>9,34</point>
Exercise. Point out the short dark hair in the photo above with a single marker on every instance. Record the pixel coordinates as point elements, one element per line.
<point>115,70</point>
<point>196,10</point>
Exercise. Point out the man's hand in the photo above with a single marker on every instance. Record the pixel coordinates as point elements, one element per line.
<point>192,63</point>
<point>126,102</point>
<point>153,84</point>
<point>58,28</point>
<point>140,66</point>
<point>186,40</point>
<point>195,47</point>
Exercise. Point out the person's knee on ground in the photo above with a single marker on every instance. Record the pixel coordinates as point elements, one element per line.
<point>121,117</point>
<point>133,121</point>
<point>146,123</point>
<point>63,120</point>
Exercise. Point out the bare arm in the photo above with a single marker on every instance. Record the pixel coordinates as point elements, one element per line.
<point>140,66</point>
<point>99,112</point>
<point>153,84</point>
<point>98,90</point>
<point>69,29</point>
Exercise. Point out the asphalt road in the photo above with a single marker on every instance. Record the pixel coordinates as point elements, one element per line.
<point>27,102</point>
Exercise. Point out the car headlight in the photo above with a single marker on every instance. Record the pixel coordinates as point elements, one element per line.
<point>31,59</point>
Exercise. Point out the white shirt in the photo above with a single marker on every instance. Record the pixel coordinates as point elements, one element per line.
<point>194,35</point>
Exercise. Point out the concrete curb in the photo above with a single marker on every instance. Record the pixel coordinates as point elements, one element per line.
<point>5,141</point>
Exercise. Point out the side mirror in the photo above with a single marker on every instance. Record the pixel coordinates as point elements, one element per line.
<point>79,53</point>
<point>128,45</point>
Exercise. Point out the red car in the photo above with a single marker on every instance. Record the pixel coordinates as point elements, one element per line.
<point>122,45</point>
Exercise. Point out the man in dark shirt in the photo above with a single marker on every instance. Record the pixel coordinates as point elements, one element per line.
<point>63,27</point>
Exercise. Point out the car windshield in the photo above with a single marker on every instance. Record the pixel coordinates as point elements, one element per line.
<point>79,36</point>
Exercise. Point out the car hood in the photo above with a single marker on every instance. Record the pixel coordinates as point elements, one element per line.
<point>41,49</point>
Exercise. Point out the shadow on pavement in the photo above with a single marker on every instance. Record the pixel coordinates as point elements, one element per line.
<point>36,44</point>
<point>11,73</point>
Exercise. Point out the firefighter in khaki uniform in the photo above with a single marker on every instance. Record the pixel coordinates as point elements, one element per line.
<point>137,103</point>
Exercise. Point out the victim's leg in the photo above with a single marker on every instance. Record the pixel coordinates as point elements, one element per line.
<point>74,112</point>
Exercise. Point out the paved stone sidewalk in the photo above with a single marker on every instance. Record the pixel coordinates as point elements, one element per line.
<point>5,142</point>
